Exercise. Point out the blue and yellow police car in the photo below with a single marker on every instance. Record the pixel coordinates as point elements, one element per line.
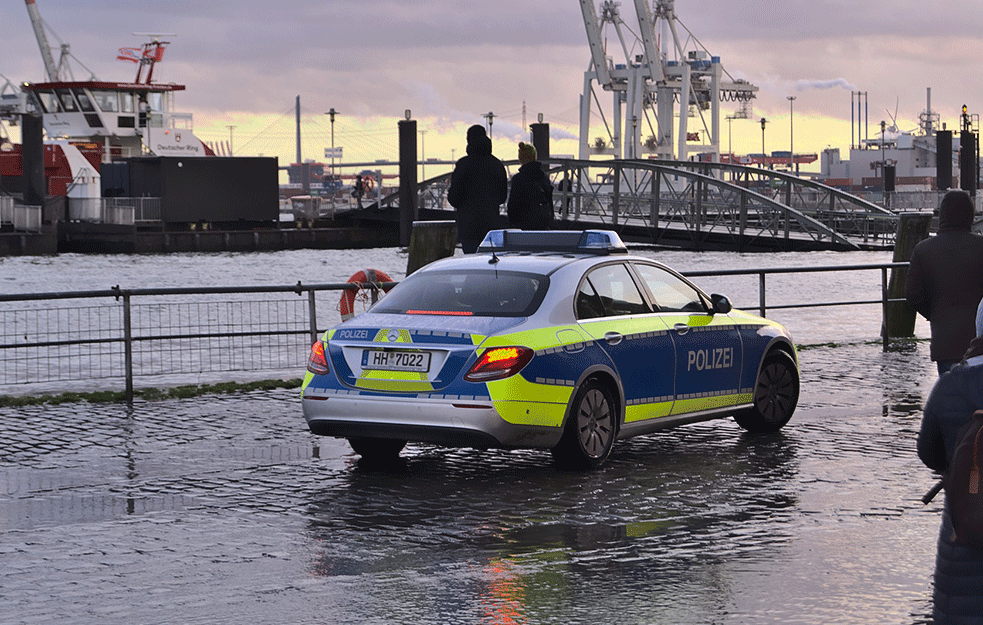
<point>558,340</point>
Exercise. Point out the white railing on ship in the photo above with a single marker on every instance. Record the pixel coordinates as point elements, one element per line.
<point>21,218</point>
<point>124,211</point>
<point>6,210</point>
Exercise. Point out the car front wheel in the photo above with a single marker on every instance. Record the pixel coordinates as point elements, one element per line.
<point>591,428</point>
<point>775,395</point>
<point>377,449</point>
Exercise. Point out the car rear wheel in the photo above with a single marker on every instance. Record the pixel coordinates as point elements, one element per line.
<point>775,395</point>
<point>591,428</point>
<point>377,449</point>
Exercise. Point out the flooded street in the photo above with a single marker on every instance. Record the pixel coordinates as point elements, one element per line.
<point>224,508</point>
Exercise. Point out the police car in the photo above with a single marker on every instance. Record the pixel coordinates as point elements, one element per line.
<point>558,340</point>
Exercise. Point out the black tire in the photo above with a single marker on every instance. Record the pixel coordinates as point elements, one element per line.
<point>776,394</point>
<point>590,430</point>
<point>377,449</point>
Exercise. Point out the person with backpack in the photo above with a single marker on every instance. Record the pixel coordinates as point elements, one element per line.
<point>530,205</point>
<point>947,421</point>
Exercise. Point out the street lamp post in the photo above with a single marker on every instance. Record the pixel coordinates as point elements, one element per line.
<point>230,127</point>
<point>331,115</point>
<point>423,155</point>
<point>730,137</point>
<point>763,122</point>
<point>791,144</point>
<point>490,116</point>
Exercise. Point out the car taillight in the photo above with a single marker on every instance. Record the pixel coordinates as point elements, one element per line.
<point>317,363</point>
<point>499,363</point>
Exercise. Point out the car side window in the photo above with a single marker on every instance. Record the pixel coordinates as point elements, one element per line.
<point>588,303</point>
<point>614,291</point>
<point>670,293</point>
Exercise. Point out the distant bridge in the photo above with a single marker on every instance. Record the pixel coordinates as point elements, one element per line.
<point>697,205</point>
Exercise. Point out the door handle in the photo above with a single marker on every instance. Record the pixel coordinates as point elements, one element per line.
<point>613,338</point>
<point>681,328</point>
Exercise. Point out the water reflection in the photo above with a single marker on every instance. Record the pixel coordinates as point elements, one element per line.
<point>667,517</point>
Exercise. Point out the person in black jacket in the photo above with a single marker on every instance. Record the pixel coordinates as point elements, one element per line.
<point>479,186</point>
<point>958,592</point>
<point>945,279</point>
<point>530,204</point>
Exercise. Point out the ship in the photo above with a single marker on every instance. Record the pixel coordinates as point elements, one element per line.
<point>922,159</point>
<point>85,141</point>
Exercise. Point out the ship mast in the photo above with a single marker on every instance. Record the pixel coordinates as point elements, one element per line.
<point>49,60</point>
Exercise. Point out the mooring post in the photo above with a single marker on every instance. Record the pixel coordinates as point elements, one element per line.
<point>899,318</point>
<point>430,241</point>
<point>128,346</point>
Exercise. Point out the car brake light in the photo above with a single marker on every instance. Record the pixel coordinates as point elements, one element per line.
<point>499,363</point>
<point>317,363</point>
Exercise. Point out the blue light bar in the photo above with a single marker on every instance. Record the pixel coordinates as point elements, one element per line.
<point>569,241</point>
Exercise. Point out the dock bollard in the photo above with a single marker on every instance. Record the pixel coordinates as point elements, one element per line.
<point>899,318</point>
<point>430,241</point>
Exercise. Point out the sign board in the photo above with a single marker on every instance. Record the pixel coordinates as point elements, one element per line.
<point>332,152</point>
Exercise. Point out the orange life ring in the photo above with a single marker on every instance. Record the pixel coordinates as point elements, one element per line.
<point>347,305</point>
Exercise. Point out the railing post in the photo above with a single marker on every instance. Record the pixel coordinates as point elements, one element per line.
<point>616,200</point>
<point>884,295</point>
<point>761,294</point>
<point>655,207</point>
<point>312,313</point>
<point>128,347</point>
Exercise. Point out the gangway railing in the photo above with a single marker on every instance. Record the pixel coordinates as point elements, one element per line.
<point>705,205</point>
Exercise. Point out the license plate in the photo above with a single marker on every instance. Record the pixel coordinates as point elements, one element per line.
<point>396,360</point>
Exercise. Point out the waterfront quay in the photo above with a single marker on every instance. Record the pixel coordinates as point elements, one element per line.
<point>224,508</point>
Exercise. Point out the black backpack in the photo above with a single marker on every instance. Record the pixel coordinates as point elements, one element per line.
<point>543,202</point>
<point>963,487</point>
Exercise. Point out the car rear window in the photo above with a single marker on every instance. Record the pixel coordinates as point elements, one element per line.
<point>472,293</point>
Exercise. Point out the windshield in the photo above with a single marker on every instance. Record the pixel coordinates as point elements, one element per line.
<point>466,293</point>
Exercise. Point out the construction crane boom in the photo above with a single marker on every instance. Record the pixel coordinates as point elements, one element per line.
<point>596,44</point>
<point>49,61</point>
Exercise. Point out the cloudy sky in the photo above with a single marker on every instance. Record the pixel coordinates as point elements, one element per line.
<point>449,62</point>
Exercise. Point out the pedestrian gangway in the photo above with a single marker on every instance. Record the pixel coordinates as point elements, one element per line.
<point>701,205</point>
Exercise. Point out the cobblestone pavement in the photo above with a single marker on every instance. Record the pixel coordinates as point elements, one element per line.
<point>225,509</point>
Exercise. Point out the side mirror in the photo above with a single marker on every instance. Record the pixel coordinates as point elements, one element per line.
<point>720,304</point>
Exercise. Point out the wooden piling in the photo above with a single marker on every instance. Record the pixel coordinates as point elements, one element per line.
<point>430,241</point>
<point>899,318</point>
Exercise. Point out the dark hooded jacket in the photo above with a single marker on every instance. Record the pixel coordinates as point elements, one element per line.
<point>528,187</point>
<point>479,186</point>
<point>945,278</point>
<point>957,595</point>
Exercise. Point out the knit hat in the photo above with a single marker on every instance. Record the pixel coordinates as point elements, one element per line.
<point>527,153</point>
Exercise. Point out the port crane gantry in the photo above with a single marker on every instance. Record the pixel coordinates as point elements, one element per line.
<point>659,70</point>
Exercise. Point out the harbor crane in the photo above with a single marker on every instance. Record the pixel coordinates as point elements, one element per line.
<point>61,72</point>
<point>660,69</point>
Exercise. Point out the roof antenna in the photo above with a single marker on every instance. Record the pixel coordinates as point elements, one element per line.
<point>494,259</point>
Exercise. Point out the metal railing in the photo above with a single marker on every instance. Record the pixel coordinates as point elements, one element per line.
<point>744,207</point>
<point>128,333</point>
<point>115,210</point>
<point>21,218</point>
